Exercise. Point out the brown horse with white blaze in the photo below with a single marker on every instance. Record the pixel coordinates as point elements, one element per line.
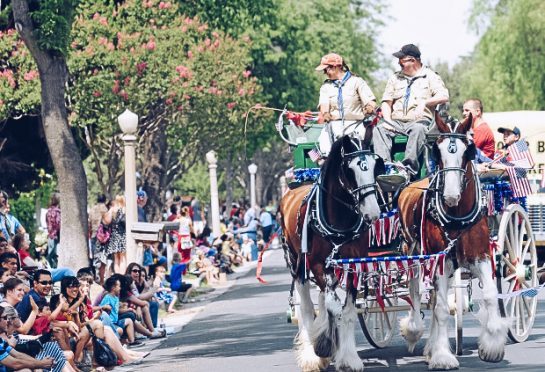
<point>445,213</point>
<point>346,202</point>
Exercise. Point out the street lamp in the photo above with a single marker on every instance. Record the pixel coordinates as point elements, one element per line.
<point>128,122</point>
<point>214,198</point>
<point>252,168</point>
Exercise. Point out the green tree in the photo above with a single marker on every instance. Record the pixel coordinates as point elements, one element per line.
<point>508,69</point>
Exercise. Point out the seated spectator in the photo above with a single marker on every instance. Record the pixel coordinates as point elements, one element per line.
<point>14,293</point>
<point>111,299</point>
<point>41,288</point>
<point>4,245</point>
<point>164,294</point>
<point>110,336</point>
<point>203,266</point>
<point>143,304</point>
<point>176,277</point>
<point>142,296</point>
<point>14,360</point>
<point>22,245</point>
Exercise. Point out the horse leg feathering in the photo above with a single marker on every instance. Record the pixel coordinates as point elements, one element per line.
<point>346,355</point>
<point>493,326</point>
<point>306,358</point>
<point>438,347</point>
<point>412,326</point>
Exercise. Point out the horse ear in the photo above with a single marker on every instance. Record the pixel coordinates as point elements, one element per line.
<point>443,128</point>
<point>464,126</point>
<point>368,136</point>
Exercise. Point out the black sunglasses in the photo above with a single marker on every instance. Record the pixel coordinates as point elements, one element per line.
<point>46,282</point>
<point>135,270</point>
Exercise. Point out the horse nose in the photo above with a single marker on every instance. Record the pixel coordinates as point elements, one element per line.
<point>452,200</point>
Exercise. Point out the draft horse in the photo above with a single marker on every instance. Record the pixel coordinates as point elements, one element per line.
<point>344,202</point>
<point>445,213</point>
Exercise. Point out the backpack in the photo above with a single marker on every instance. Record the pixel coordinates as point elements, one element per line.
<point>103,234</point>
<point>102,352</point>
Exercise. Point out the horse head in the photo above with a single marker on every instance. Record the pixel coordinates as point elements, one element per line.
<point>355,166</point>
<point>453,150</point>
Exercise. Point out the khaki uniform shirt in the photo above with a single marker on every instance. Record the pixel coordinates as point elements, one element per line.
<point>425,85</point>
<point>356,95</point>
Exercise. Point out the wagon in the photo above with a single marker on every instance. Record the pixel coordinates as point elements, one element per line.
<point>511,241</point>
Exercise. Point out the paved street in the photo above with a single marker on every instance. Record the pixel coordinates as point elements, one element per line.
<point>245,329</point>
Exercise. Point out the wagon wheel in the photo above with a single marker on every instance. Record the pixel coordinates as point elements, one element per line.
<point>459,310</point>
<point>377,326</point>
<point>517,269</point>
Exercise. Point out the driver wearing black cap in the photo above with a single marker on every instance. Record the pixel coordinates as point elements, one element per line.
<point>407,108</point>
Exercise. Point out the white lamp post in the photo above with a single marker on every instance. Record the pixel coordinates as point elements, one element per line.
<point>128,121</point>
<point>252,168</point>
<point>214,198</point>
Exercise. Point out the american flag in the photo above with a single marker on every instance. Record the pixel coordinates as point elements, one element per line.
<point>520,156</point>
<point>519,182</point>
<point>314,155</point>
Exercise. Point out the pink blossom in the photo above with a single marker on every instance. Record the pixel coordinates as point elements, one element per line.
<point>110,46</point>
<point>74,44</point>
<point>216,43</point>
<point>202,28</point>
<point>1,101</point>
<point>102,40</point>
<point>141,67</point>
<point>168,101</point>
<point>90,51</point>
<point>259,105</point>
<point>180,108</point>
<point>199,88</point>
<point>103,21</point>
<point>163,5</point>
<point>187,97</point>
<point>124,95</point>
<point>127,81</point>
<point>183,72</point>
<point>150,45</point>
<point>31,75</point>
<point>213,90</point>
<point>241,92</point>
<point>116,88</point>
<point>189,54</point>
<point>200,49</point>
<point>215,34</point>
<point>188,21</point>
<point>147,4</point>
<point>231,105</point>
<point>96,16</point>
<point>207,42</point>
<point>95,71</point>
<point>184,28</point>
<point>247,73</point>
<point>97,93</point>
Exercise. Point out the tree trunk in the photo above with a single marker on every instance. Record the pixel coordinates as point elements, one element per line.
<point>154,171</point>
<point>72,182</point>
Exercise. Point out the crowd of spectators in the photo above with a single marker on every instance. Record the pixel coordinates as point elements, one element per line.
<point>51,317</point>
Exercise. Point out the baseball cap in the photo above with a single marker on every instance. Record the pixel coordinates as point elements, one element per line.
<point>509,128</point>
<point>408,50</point>
<point>331,59</point>
<point>141,194</point>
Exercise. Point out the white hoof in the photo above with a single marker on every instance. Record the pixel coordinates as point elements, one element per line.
<point>410,332</point>
<point>443,361</point>
<point>307,361</point>
<point>348,365</point>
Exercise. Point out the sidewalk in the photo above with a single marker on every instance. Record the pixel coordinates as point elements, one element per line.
<point>176,321</point>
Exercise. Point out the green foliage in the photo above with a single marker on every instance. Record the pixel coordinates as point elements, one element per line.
<point>508,70</point>
<point>52,21</point>
<point>24,208</point>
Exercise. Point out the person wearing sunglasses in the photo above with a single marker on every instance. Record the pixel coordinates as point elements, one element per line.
<point>345,100</point>
<point>408,103</point>
<point>41,289</point>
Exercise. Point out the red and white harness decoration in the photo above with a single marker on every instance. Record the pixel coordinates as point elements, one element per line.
<point>385,273</point>
<point>384,230</point>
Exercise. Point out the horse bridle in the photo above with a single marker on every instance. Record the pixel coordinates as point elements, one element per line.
<point>441,215</point>
<point>356,193</point>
